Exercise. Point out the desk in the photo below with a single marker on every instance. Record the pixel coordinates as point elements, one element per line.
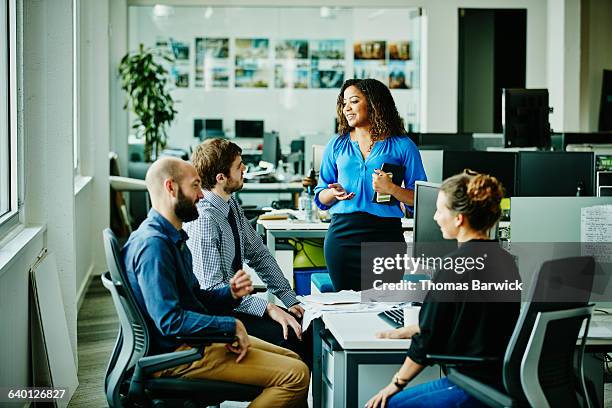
<point>350,364</point>
<point>295,189</point>
<point>273,229</point>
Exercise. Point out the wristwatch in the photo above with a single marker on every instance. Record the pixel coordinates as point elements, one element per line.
<point>398,382</point>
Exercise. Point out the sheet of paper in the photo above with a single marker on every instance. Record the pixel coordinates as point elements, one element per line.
<point>596,232</point>
<point>333,298</point>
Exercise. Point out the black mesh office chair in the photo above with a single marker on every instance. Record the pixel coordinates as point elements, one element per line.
<point>129,377</point>
<point>538,366</point>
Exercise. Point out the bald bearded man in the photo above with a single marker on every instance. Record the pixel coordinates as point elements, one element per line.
<point>159,268</point>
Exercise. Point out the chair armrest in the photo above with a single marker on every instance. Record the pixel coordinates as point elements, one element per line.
<point>449,359</point>
<point>482,392</point>
<point>205,340</point>
<point>151,364</point>
<point>127,184</point>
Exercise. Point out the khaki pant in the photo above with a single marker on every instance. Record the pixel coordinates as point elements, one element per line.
<point>284,377</point>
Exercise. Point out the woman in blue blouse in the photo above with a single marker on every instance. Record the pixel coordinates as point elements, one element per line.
<point>370,133</point>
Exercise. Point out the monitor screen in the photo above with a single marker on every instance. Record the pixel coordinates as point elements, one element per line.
<point>525,117</point>
<point>501,165</point>
<point>603,162</point>
<point>213,124</point>
<point>589,138</point>
<point>249,128</point>
<point>271,148</point>
<point>455,141</point>
<point>428,240</point>
<point>556,174</point>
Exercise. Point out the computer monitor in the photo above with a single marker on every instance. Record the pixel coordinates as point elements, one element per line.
<point>501,165</point>
<point>249,128</point>
<point>555,174</point>
<point>454,141</point>
<point>427,236</point>
<point>271,148</point>
<point>603,162</point>
<point>525,117</point>
<point>604,183</point>
<point>213,124</point>
<point>589,138</point>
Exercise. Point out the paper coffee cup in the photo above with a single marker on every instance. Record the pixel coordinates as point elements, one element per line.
<point>411,315</point>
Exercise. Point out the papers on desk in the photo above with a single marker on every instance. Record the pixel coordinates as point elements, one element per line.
<point>334,298</point>
<point>346,301</point>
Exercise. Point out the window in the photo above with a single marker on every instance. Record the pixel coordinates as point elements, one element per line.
<point>8,125</point>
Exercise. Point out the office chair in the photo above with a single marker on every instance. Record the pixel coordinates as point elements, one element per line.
<point>538,366</point>
<point>129,377</point>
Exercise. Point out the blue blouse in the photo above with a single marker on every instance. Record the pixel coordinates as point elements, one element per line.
<point>343,163</point>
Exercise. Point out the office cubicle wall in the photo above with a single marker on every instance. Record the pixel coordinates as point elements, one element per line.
<point>546,228</point>
<point>549,219</point>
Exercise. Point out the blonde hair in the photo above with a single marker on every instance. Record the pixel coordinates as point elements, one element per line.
<point>477,196</point>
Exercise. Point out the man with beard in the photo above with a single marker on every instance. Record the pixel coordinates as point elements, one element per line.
<point>222,238</point>
<point>159,269</point>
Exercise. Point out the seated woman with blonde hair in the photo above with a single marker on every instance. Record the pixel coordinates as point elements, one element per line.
<point>467,323</point>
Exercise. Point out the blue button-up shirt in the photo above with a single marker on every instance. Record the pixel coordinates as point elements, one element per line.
<point>159,267</point>
<point>343,163</point>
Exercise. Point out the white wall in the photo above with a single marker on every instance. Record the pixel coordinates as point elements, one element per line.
<point>67,217</point>
<point>92,210</point>
<point>48,135</point>
<point>289,111</point>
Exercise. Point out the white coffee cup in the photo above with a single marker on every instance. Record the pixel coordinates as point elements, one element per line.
<point>411,315</point>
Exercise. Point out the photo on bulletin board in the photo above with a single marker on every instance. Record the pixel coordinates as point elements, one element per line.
<point>252,62</point>
<point>292,49</point>
<point>212,62</point>
<point>199,63</point>
<point>288,74</point>
<point>399,50</point>
<point>371,69</point>
<point>399,76</point>
<point>216,47</point>
<point>252,48</point>
<point>327,49</point>
<point>369,50</point>
<point>220,77</point>
<point>327,73</point>
<point>252,78</point>
<point>180,75</point>
<point>180,50</point>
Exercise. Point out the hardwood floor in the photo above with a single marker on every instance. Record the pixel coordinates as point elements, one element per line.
<point>97,329</point>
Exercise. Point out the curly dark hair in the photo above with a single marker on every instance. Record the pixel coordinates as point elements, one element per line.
<point>212,157</point>
<point>382,112</point>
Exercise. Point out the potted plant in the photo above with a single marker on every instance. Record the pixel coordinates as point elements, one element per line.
<point>145,81</point>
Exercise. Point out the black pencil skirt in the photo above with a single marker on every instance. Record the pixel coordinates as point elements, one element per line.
<point>343,244</point>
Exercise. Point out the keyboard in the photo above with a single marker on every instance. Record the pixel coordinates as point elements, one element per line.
<point>394,317</point>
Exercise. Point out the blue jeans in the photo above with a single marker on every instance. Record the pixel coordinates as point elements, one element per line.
<point>438,393</point>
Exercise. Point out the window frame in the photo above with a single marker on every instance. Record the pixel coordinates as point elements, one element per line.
<point>10,219</point>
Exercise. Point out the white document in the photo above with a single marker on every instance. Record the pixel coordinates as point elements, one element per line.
<point>596,232</point>
<point>333,298</point>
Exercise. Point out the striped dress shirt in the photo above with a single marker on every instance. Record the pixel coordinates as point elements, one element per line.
<point>212,246</point>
